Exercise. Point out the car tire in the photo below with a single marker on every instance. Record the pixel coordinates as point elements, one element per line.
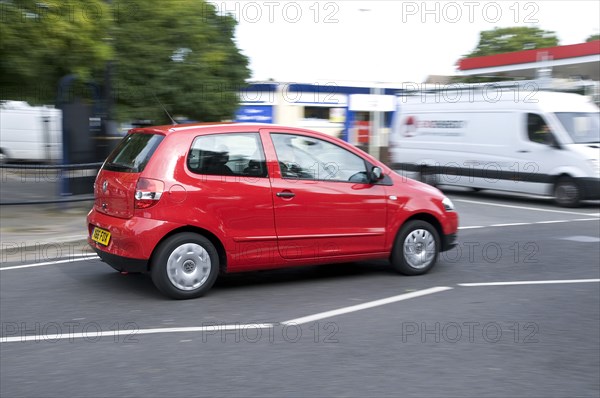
<point>416,248</point>
<point>185,266</point>
<point>567,192</point>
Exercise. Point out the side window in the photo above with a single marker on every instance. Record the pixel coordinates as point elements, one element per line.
<point>308,158</point>
<point>538,130</point>
<point>236,154</point>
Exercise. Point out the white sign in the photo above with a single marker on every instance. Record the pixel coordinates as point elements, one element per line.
<point>372,103</point>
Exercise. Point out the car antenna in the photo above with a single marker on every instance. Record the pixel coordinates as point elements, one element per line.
<point>164,109</point>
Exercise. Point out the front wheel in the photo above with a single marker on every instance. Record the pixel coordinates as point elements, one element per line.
<point>185,266</point>
<point>567,192</point>
<point>416,248</point>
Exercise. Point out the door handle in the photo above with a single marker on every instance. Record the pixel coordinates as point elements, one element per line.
<point>523,151</point>
<point>285,194</point>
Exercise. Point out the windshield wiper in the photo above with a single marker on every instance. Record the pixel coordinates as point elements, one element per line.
<point>121,167</point>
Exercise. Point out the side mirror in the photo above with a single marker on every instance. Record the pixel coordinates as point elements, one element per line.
<point>376,174</point>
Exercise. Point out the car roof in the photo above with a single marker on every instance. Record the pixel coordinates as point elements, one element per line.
<point>218,127</point>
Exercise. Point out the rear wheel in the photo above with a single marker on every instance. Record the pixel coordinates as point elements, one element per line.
<point>185,266</point>
<point>567,192</point>
<point>416,248</point>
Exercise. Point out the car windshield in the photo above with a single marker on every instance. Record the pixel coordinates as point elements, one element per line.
<point>583,127</point>
<point>133,153</point>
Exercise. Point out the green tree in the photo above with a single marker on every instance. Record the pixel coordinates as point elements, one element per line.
<point>180,53</point>
<point>41,41</point>
<point>593,38</point>
<point>504,40</point>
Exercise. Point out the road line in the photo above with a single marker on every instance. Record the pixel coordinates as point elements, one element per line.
<point>364,306</point>
<point>528,223</point>
<point>510,224</point>
<point>526,208</point>
<point>69,260</point>
<point>131,333</point>
<point>515,283</point>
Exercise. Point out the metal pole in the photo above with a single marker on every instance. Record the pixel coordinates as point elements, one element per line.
<point>375,130</point>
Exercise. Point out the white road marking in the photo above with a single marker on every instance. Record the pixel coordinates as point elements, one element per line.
<point>96,335</point>
<point>527,223</point>
<point>68,260</point>
<point>526,207</point>
<point>515,283</point>
<point>364,306</point>
<point>510,224</point>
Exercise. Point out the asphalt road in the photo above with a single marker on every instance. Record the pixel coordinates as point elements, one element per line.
<point>456,331</point>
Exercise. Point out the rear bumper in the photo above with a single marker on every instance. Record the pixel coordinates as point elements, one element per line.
<point>590,188</point>
<point>132,240</point>
<point>122,264</point>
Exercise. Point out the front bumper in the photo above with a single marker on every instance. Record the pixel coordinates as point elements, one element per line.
<point>449,241</point>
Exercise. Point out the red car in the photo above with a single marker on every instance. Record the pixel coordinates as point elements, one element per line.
<point>188,202</point>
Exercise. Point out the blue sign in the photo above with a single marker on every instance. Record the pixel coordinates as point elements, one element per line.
<point>254,114</point>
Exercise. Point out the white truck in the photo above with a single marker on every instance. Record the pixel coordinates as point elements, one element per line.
<point>30,133</point>
<point>509,139</point>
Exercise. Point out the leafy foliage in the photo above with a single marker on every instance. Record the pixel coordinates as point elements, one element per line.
<point>504,40</point>
<point>42,41</point>
<point>179,53</point>
<point>593,38</point>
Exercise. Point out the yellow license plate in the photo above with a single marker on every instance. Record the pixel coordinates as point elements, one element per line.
<point>101,236</point>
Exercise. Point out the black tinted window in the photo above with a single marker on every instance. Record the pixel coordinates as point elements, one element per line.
<point>538,130</point>
<point>133,153</point>
<point>239,154</point>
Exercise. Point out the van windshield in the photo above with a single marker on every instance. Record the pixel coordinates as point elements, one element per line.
<point>583,127</point>
<point>133,153</point>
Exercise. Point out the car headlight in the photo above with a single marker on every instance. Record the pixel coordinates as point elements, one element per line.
<point>448,205</point>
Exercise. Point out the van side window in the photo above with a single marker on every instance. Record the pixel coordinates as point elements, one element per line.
<point>538,130</point>
<point>235,154</point>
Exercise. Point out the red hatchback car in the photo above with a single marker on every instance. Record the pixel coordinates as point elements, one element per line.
<point>188,202</point>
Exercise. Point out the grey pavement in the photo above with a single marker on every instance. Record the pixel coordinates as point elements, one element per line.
<point>36,233</point>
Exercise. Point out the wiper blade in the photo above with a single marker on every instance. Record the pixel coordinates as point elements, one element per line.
<point>120,166</point>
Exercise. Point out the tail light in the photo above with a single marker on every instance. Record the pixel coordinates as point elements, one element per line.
<point>148,192</point>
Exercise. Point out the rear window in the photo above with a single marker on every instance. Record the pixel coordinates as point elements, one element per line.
<point>133,153</point>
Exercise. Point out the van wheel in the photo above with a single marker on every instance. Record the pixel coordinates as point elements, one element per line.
<point>185,266</point>
<point>416,248</point>
<point>567,192</point>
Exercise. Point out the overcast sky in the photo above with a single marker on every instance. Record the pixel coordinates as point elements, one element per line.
<point>386,41</point>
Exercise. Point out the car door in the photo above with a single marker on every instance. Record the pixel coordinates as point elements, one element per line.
<point>232,196</point>
<point>537,154</point>
<point>324,205</point>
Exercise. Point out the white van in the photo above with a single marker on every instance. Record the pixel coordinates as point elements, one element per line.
<point>30,133</point>
<point>544,143</point>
